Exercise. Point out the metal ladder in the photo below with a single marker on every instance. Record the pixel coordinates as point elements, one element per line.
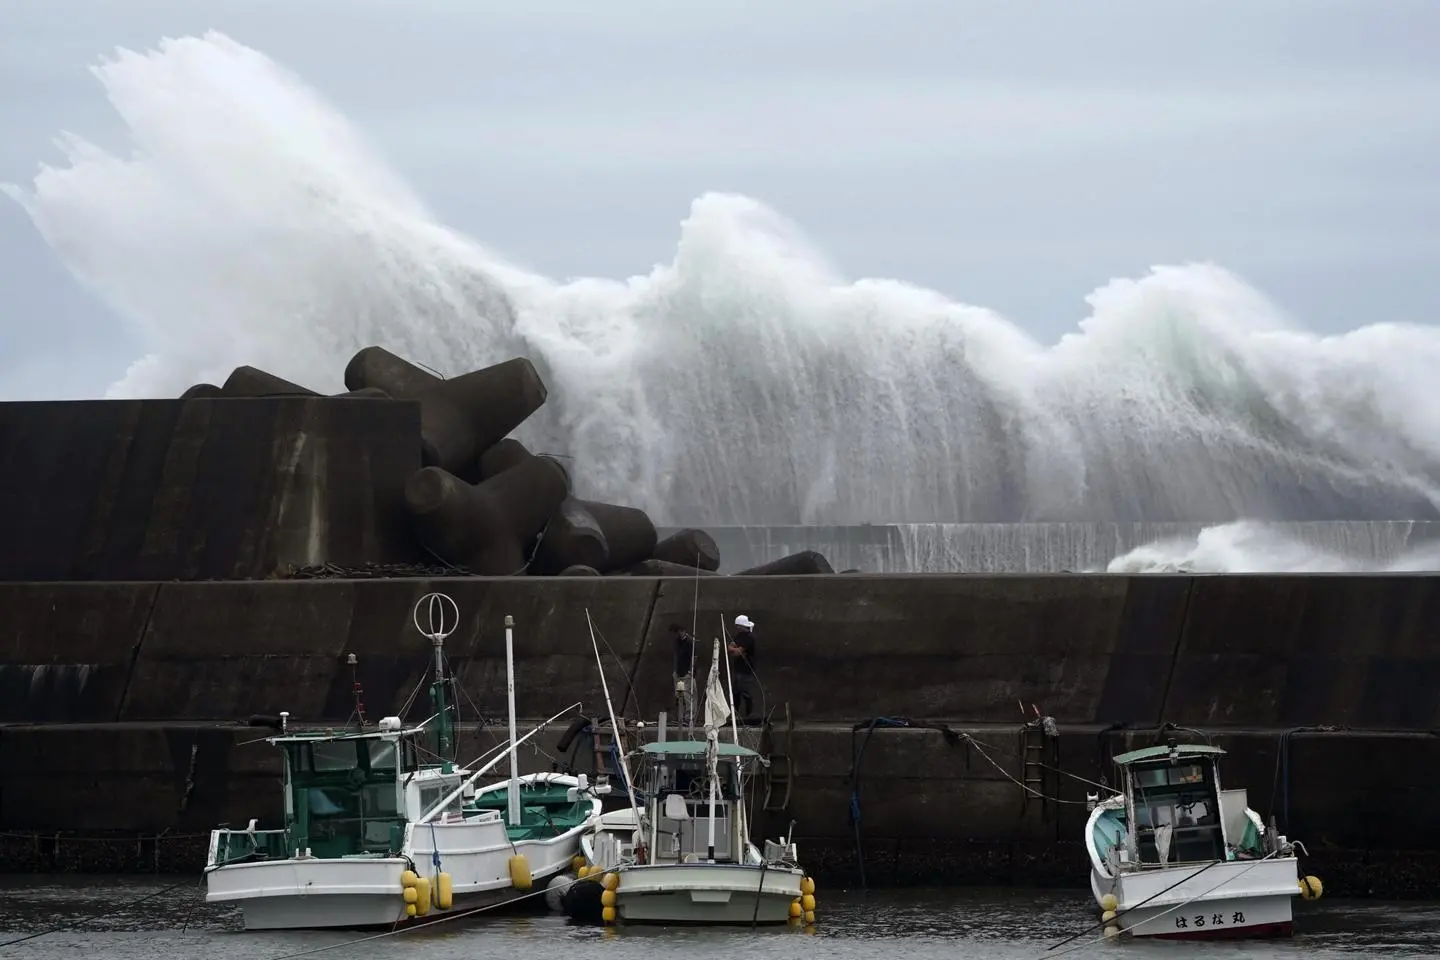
<point>1038,737</point>
<point>780,773</point>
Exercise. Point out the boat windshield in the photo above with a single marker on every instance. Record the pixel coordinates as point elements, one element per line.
<point>345,795</point>
<point>1180,801</point>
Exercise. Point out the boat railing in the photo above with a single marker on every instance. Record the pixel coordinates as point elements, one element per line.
<point>238,846</point>
<point>778,854</point>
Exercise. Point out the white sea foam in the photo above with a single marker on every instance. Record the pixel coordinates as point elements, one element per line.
<point>744,381</point>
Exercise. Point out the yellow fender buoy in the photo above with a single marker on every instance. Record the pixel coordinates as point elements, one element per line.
<point>607,898</point>
<point>807,903</point>
<point>422,896</point>
<point>578,864</point>
<point>444,891</point>
<point>1311,888</point>
<point>1109,903</point>
<point>409,892</point>
<point>795,909</point>
<point>809,916</point>
<point>807,885</point>
<point>611,881</point>
<point>1107,916</point>
<point>520,877</point>
<point>1112,931</point>
<point>607,914</point>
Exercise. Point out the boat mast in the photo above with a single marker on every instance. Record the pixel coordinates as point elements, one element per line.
<point>435,630</point>
<point>741,831</point>
<point>712,744</point>
<point>730,689</point>
<point>615,726</point>
<point>513,794</point>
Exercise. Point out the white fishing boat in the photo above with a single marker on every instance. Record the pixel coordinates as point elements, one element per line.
<point>383,826</point>
<point>681,853</point>
<point>1177,856</point>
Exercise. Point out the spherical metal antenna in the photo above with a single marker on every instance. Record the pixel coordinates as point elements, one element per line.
<point>442,617</point>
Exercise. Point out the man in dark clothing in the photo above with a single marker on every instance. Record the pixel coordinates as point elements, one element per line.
<point>684,643</point>
<point>742,667</point>
<point>684,650</point>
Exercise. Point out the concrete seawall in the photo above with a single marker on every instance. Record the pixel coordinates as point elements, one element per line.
<point>196,490</point>
<point>120,701</point>
<point>1242,651</point>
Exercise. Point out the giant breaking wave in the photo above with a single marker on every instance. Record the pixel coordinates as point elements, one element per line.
<point>744,381</point>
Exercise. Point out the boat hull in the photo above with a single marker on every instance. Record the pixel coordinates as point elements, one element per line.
<point>709,894</point>
<point>315,894</point>
<point>359,892</point>
<point>1239,899</point>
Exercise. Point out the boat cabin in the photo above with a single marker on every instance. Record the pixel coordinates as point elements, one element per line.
<point>676,788</point>
<point>351,795</point>
<point>1176,810</point>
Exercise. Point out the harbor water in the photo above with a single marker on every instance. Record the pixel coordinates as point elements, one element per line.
<point>107,919</point>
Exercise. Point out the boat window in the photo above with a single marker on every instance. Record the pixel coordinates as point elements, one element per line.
<point>334,756</point>
<point>379,800</point>
<point>429,796</point>
<point>1179,775</point>
<point>331,802</point>
<point>1182,799</point>
<point>1179,811</point>
<point>1187,773</point>
<point>382,755</point>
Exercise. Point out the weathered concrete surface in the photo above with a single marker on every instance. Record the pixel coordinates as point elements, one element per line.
<point>219,651</point>
<point>202,488</point>
<point>1286,650</point>
<point>1205,651</point>
<point>1084,649</point>
<point>66,649</point>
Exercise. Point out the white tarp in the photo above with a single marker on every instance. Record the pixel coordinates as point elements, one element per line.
<point>717,704</point>
<point>1162,841</point>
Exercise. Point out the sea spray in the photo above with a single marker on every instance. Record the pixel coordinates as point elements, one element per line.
<point>744,381</point>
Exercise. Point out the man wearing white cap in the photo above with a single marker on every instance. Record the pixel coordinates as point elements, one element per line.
<point>742,666</point>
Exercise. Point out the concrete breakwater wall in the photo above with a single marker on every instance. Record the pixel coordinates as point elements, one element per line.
<point>201,490</point>
<point>120,699</point>
<point>1257,651</point>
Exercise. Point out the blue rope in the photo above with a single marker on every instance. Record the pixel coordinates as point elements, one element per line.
<point>857,755</point>
<point>619,770</point>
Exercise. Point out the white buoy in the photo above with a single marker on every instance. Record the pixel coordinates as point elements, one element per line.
<point>1112,931</point>
<point>555,892</point>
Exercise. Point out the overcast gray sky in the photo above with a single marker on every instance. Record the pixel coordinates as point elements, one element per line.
<point>1011,155</point>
